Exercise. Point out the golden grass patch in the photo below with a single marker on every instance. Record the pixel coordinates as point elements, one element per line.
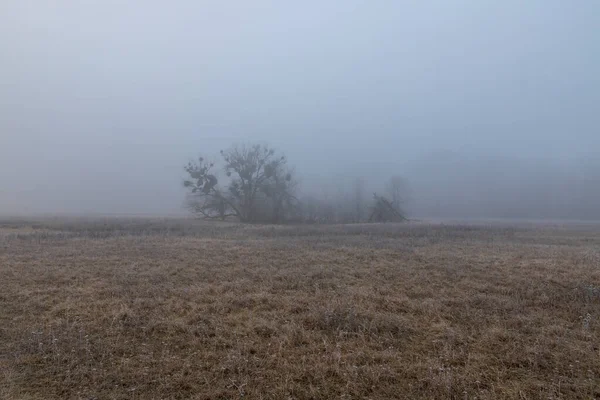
<point>180,309</point>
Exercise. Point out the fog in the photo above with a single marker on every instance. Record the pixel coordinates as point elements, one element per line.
<point>487,108</point>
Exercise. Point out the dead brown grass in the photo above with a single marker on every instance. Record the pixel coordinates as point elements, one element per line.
<point>176,309</point>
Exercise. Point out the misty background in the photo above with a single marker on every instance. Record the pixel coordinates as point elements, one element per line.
<point>487,108</point>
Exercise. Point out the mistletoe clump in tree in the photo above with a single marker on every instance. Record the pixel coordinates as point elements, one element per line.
<point>257,186</point>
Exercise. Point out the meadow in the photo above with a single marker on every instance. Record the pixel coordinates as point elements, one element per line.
<point>168,308</point>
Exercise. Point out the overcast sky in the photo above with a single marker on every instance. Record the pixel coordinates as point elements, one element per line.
<point>102,102</point>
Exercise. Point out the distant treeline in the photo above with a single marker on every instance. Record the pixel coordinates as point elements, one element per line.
<point>253,183</point>
<point>450,185</point>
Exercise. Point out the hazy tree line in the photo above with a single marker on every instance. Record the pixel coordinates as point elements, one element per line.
<point>254,183</point>
<point>458,186</point>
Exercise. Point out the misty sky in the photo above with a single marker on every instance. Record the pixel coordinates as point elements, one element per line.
<point>102,102</point>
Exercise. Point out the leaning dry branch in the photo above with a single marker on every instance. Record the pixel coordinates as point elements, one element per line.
<point>384,211</point>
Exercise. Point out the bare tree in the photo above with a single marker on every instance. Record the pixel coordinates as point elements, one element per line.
<point>255,177</point>
<point>206,197</point>
<point>358,199</point>
<point>279,191</point>
<point>398,191</point>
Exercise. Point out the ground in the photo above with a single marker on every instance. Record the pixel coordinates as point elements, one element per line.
<point>183,309</point>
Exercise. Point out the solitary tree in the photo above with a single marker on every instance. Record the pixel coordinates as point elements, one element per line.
<point>358,199</point>
<point>256,179</point>
<point>397,189</point>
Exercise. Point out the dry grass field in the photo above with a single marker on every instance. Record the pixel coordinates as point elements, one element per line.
<point>183,309</point>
